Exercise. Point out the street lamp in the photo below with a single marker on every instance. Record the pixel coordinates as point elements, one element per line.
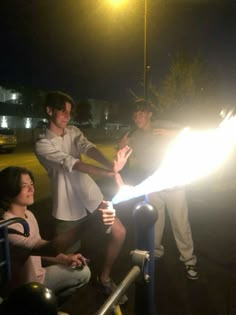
<point>146,67</point>
<point>145,53</point>
<point>116,2</point>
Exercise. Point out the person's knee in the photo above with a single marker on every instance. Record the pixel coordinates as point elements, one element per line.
<point>118,231</point>
<point>84,276</point>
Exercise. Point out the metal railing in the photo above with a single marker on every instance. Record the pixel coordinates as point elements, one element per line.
<point>139,259</point>
<point>5,263</point>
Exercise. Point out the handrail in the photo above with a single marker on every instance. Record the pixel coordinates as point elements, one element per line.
<point>119,292</point>
<point>22,221</point>
<point>140,260</point>
<point>6,262</point>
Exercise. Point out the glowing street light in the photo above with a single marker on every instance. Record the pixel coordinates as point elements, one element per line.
<point>117,2</point>
<point>146,67</point>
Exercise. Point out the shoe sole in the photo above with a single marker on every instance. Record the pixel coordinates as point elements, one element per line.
<point>192,278</point>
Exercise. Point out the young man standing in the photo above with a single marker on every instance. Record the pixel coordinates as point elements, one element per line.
<point>76,197</point>
<point>148,144</point>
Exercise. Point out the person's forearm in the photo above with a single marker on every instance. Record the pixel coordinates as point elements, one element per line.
<point>119,180</point>
<point>59,259</point>
<point>58,244</point>
<point>96,155</point>
<point>92,169</point>
<point>44,248</point>
<point>53,249</point>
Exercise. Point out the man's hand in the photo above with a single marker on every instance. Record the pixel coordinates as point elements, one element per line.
<point>77,260</point>
<point>122,156</point>
<point>108,213</point>
<point>72,260</point>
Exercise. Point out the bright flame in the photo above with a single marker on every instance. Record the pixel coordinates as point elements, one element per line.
<point>193,155</point>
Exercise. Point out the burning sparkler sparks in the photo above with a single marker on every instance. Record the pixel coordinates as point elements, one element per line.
<point>193,155</point>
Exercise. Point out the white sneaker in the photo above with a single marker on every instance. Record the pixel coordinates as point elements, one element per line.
<point>192,272</point>
<point>159,252</point>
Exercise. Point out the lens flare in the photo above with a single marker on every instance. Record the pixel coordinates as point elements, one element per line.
<point>191,156</point>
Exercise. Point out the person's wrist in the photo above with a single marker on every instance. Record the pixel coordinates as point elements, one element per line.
<point>110,173</point>
<point>63,259</point>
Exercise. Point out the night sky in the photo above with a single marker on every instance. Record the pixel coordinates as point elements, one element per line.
<point>91,50</point>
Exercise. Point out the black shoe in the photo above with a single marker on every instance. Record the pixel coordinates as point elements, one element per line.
<point>108,287</point>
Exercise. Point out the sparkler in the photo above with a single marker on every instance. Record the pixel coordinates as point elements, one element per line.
<point>193,155</point>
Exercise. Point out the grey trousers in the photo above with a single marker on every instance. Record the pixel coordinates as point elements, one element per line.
<point>174,201</point>
<point>64,280</point>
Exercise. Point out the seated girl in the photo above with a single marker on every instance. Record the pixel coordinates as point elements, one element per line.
<point>68,272</point>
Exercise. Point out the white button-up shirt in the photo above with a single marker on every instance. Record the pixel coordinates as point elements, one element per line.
<point>73,191</point>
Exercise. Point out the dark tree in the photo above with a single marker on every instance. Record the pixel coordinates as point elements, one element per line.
<point>82,113</point>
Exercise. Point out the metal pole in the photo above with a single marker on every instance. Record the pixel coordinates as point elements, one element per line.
<point>5,261</point>
<point>145,216</point>
<point>144,293</point>
<point>20,220</point>
<point>120,290</point>
<point>145,52</point>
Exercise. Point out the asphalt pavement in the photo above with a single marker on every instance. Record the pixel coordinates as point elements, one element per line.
<point>212,214</point>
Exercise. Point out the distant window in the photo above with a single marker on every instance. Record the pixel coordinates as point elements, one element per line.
<point>13,96</point>
<point>28,123</point>
<point>4,123</point>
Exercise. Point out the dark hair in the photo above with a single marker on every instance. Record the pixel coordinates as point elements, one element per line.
<point>57,100</point>
<point>142,105</point>
<point>10,184</point>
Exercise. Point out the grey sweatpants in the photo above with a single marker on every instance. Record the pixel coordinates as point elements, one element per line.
<point>174,201</point>
<point>64,280</point>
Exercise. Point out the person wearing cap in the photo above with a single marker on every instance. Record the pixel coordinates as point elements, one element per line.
<point>148,141</point>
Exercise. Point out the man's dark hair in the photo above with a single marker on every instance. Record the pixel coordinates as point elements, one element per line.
<point>57,100</point>
<point>142,105</point>
<point>10,184</point>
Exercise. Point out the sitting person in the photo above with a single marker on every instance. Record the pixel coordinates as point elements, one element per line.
<point>68,271</point>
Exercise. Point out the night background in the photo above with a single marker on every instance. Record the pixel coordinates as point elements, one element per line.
<point>93,50</point>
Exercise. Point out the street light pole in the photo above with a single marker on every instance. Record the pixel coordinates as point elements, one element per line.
<point>145,53</point>
<point>146,67</point>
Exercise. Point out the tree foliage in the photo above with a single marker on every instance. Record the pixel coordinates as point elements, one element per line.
<point>82,112</point>
<point>186,88</point>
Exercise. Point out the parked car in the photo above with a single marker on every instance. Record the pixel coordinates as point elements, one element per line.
<point>8,140</point>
